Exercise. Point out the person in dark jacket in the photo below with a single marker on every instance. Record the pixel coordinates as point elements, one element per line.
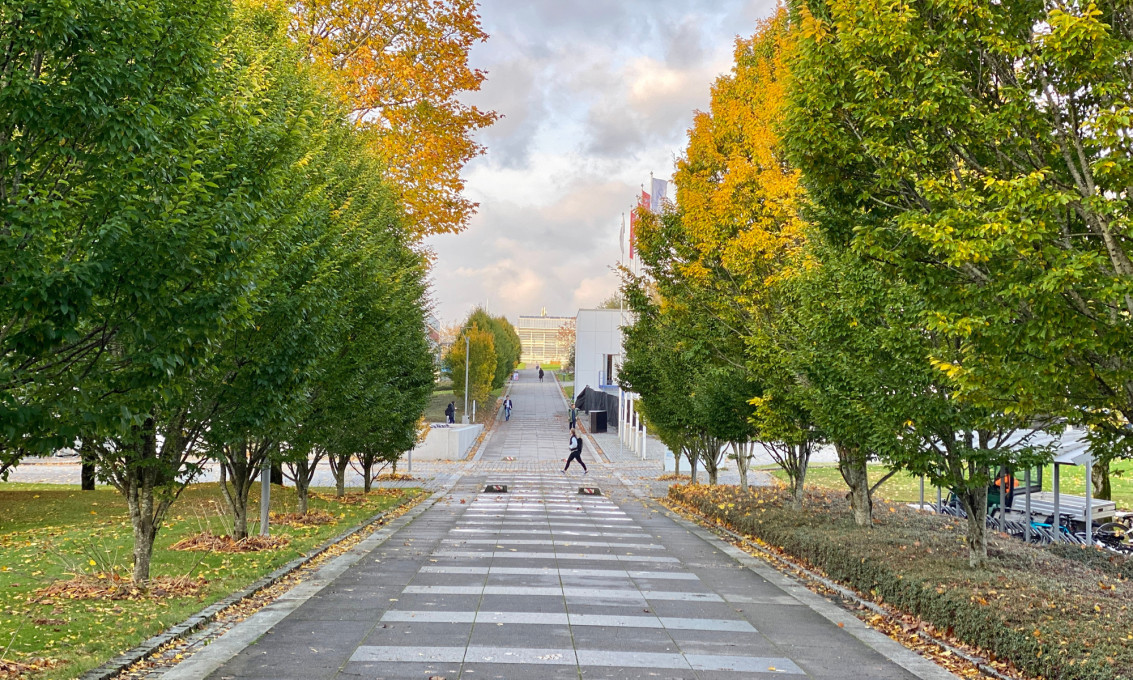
<point>540,375</point>
<point>450,412</point>
<point>575,452</point>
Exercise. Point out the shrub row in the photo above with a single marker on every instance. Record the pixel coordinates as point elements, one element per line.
<point>1061,613</point>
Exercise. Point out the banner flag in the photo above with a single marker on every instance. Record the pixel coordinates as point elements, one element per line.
<point>642,202</point>
<point>632,230</point>
<point>660,190</point>
<point>622,240</point>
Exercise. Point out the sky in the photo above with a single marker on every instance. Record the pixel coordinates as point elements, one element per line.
<point>595,95</point>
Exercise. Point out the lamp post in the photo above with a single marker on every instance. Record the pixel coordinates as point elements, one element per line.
<point>464,417</point>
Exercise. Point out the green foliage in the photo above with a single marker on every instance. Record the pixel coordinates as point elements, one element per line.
<point>1050,615</point>
<point>980,151</point>
<point>505,340</point>
<point>204,257</point>
<point>481,365</point>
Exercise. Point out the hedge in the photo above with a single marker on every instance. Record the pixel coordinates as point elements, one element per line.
<point>1060,612</point>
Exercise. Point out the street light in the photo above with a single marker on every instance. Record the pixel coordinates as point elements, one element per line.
<point>464,417</point>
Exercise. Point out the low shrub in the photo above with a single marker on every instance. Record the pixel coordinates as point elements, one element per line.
<point>1061,613</point>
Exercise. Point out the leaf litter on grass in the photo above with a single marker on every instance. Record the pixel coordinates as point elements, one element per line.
<point>209,542</point>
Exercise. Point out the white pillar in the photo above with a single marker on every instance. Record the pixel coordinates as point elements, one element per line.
<point>630,426</point>
<point>644,440</point>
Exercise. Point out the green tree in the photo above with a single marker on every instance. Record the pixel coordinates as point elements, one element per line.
<point>505,340</point>
<point>981,150</point>
<point>482,363</point>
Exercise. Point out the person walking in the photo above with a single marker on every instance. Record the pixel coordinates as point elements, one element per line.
<point>575,452</point>
<point>450,412</point>
<point>507,408</point>
<point>573,415</point>
<point>540,375</point>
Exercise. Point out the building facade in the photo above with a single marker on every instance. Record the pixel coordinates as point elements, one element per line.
<point>545,339</point>
<point>598,348</point>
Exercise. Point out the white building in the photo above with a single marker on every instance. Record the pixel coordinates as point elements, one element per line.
<point>598,348</point>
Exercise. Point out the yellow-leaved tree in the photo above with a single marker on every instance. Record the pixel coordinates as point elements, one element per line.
<point>738,196</point>
<point>400,66</point>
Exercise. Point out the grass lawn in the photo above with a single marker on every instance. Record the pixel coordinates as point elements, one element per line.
<point>905,488</point>
<point>435,411</point>
<point>51,532</point>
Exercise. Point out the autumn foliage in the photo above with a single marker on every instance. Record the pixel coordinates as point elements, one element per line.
<point>400,67</point>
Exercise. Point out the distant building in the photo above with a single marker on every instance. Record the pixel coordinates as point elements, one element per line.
<point>598,348</point>
<point>545,339</point>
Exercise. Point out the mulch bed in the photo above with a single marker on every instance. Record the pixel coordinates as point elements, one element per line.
<point>1059,612</point>
<point>11,669</point>
<point>117,587</point>
<point>313,518</point>
<point>210,542</point>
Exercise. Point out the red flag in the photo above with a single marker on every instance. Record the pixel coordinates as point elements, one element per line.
<point>642,202</point>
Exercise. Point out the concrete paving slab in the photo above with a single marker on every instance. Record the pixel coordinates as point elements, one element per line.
<point>541,583</point>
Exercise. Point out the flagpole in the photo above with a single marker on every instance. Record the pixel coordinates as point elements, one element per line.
<point>621,322</point>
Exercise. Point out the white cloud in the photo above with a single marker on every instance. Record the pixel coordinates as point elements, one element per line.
<point>596,96</point>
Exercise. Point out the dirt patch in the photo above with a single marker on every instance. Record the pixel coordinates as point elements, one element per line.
<point>210,542</point>
<point>11,669</point>
<point>116,587</point>
<point>359,498</point>
<point>311,519</point>
<point>396,477</point>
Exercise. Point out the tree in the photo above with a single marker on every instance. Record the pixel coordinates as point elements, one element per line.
<point>981,150</point>
<point>481,364</point>
<point>401,66</point>
<point>506,343</point>
<point>98,143</point>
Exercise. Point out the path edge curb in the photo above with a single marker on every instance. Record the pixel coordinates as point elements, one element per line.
<point>123,661</point>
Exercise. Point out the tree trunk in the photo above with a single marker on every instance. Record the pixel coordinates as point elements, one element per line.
<point>852,465</point>
<point>86,475</point>
<point>145,532</point>
<point>1099,478</point>
<point>974,502</point>
<point>742,460</point>
<point>139,482</point>
<point>799,482</point>
<point>302,484</point>
<point>238,465</point>
<point>677,463</point>
<point>367,474</point>
<point>692,459</point>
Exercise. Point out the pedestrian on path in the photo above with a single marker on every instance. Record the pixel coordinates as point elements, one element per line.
<point>507,408</point>
<point>575,452</point>
<point>540,375</point>
<point>450,412</point>
<point>573,415</point>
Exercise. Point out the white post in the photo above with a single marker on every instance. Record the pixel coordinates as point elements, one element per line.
<point>1089,504</point>
<point>621,415</point>
<point>644,440</point>
<point>473,410</point>
<point>629,425</point>
<point>638,440</point>
<point>464,416</point>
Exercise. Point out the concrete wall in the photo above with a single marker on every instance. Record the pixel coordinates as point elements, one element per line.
<point>447,442</point>
<point>597,333</point>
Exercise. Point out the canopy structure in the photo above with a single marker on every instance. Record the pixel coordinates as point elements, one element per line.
<point>1071,447</point>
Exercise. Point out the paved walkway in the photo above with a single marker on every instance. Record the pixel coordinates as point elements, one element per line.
<point>544,582</point>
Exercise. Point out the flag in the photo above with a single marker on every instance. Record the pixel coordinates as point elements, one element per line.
<point>632,229</point>
<point>642,202</point>
<point>622,240</point>
<point>660,189</point>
